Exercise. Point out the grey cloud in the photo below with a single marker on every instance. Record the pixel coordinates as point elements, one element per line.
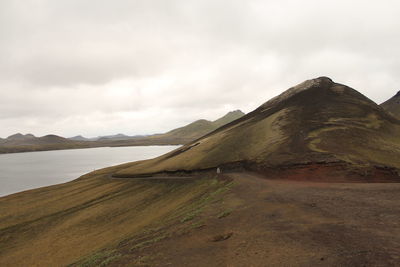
<point>86,66</point>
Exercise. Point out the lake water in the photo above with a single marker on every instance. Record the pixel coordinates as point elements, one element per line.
<point>23,171</point>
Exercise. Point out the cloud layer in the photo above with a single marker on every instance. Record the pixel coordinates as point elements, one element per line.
<point>96,67</point>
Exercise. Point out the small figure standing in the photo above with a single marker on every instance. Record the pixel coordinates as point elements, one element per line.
<point>218,170</point>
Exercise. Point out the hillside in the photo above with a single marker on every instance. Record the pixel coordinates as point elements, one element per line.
<point>316,122</point>
<point>276,203</point>
<point>393,105</point>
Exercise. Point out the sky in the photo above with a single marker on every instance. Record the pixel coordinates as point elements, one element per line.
<point>97,67</point>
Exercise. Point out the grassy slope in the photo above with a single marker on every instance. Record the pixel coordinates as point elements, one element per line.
<point>316,121</point>
<point>68,221</point>
<point>217,149</point>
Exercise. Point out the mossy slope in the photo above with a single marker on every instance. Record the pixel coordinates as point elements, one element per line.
<point>393,105</point>
<point>61,224</point>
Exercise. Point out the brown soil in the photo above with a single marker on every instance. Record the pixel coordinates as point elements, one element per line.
<point>286,223</point>
<point>334,172</point>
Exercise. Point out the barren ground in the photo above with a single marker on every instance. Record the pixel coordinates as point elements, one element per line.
<point>286,223</point>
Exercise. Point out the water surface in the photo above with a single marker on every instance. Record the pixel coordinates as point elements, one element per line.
<point>22,171</point>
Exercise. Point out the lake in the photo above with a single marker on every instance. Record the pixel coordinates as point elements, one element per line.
<point>23,171</point>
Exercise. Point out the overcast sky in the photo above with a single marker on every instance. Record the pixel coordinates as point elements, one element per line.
<point>99,67</point>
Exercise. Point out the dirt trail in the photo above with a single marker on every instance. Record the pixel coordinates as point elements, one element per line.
<point>286,223</point>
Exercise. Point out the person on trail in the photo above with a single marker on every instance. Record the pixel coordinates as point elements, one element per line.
<point>218,170</point>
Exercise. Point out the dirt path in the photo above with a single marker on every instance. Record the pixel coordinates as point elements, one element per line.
<point>110,176</point>
<point>286,223</point>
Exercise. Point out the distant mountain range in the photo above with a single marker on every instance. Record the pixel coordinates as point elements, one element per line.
<point>28,142</point>
<point>186,133</point>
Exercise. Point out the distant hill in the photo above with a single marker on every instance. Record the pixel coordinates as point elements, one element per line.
<point>30,139</point>
<point>52,139</point>
<point>79,138</point>
<point>118,137</point>
<point>393,105</point>
<point>199,128</point>
<point>316,122</point>
<point>114,137</point>
<point>20,137</point>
